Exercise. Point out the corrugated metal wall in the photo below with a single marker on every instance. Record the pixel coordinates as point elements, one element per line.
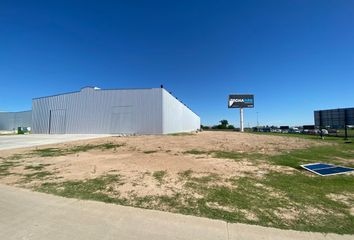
<point>12,120</point>
<point>176,116</point>
<point>99,111</point>
<point>140,111</point>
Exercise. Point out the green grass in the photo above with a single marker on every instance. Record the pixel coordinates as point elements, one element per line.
<point>341,133</point>
<point>186,174</point>
<point>304,136</point>
<point>226,154</point>
<point>38,167</point>
<point>91,189</point>
<point>237,155</point>
<point>107,146</point>
<point>336,154</point>
<point>181,134</point>
<point>196,152</point>
<point>301,191</point>
<point>150,151</point>
<point>264,198</point>
<point>6,166</point>
<point>12,161</point>
<point>159,176</point>
<point>245,197</point>
<point>15,157</point>
<point>40,175</point>
<point>305,191</point>
<point>8,163</point>
<point>53,152</point>
<point>205,179</point>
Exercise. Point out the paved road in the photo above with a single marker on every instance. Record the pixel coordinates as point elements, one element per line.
<point>29,215</point>
<point>30,140</point>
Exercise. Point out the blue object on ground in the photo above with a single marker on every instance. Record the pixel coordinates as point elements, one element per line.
<point>318,166</point>
<point>325,169</point>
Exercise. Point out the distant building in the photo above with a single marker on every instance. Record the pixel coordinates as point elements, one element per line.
<point>10,121</point>
<point>334,118</point>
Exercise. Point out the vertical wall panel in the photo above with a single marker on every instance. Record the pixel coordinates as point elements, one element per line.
<point>122,120</point>
<point>176,116</point>
<point>57,121</point>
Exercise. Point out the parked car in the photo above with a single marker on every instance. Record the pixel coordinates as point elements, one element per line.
<point>306,131</point>
<point>314,131</point>
<point>294,130</point>
<point>324,131</point>
<point>333,131</point>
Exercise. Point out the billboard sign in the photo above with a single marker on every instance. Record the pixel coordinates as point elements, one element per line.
<point>334,118</point>
<point>241,101</point>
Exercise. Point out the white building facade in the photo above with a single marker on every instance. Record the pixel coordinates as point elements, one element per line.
<point>112,111</point>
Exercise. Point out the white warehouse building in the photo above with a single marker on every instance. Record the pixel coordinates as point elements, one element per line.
<point>10,121</point>
<point>112,111</point>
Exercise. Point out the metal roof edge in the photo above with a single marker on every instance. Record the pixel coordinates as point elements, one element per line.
<point>18,111</point>
<point>334,109</point>
<point>111,89</point>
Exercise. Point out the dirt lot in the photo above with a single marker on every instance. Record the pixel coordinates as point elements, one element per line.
<point>225,175</point>
<point>138,155</point>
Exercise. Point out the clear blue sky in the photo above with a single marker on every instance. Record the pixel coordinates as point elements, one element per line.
<point>295,55</point>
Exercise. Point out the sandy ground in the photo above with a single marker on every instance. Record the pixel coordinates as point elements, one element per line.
<point>141,156</point>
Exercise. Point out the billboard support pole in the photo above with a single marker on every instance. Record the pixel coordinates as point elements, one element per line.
<point>241,119</point>
<point>345,125</point>
<point>321,133</point>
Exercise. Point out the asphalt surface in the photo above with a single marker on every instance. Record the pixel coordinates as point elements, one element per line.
<point>29,215</point>
<point>30,140</point>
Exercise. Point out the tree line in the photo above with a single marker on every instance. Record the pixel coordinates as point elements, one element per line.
<point>224,124</point>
